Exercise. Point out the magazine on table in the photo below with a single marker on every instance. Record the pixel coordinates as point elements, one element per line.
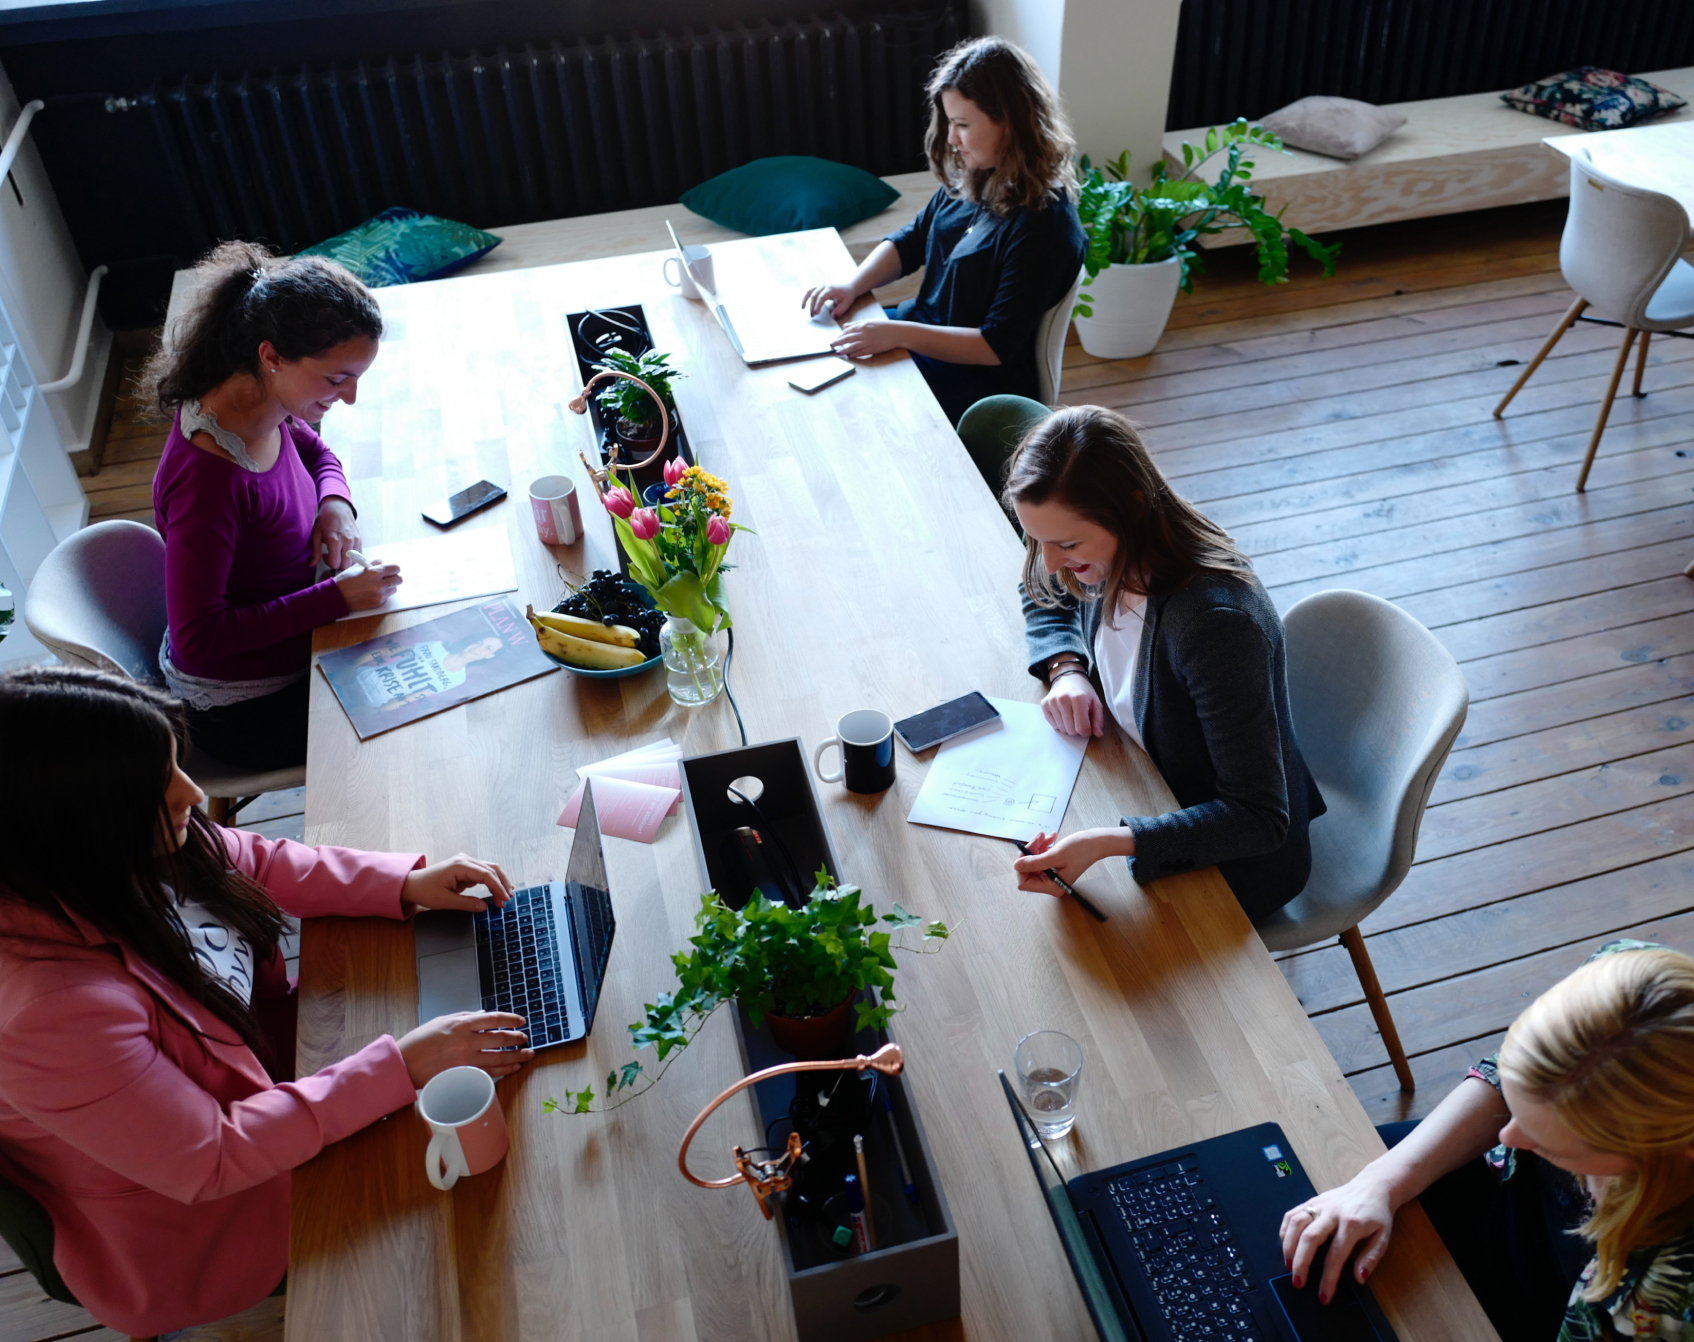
<point>428,668</point>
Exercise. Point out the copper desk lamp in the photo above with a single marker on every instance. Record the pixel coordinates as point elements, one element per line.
<point>765,1177</point>
<point>579,404</point>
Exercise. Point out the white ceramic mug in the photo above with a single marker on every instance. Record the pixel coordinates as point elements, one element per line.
<point>700,262</point>
<point>467,1128</point>
<point>558,516</point>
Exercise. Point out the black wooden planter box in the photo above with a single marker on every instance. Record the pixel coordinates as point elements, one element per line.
<point>912,1277</point>
<point>595,333</point>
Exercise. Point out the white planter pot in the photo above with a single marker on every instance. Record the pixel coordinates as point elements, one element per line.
<point>1131,306</point>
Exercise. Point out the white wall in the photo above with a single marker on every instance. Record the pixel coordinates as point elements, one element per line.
<point>1109,59</point>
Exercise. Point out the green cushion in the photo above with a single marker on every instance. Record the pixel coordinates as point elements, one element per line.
<point>401,246</point>
<point>789,193</point>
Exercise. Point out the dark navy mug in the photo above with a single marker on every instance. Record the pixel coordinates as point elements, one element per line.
<point>865,738</point>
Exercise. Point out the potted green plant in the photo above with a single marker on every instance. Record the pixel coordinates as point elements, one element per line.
<point>635,419</point>
<point>1141,240</point>
<point>815,975</point>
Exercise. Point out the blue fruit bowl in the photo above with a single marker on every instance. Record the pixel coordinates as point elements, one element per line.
<point>614,673</point>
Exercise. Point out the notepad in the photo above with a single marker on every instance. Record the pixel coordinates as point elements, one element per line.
<point>437,569</point>
<point>633,792</point>
<point>1008,779</point>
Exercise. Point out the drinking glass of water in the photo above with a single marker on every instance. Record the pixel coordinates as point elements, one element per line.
<point>1049,1068</point>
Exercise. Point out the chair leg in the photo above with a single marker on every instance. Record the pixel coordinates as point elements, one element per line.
<point>1366,971</point>
<point>1641,362</point>
<point>217,809</point>
<point>1629,335</point>
<point>1565,323</point>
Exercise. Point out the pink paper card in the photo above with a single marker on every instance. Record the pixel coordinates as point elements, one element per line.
<point>663,774</point>
<point>626,809</point>
<point>653,753</point>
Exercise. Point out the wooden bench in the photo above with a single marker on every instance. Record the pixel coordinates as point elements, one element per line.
<point>1453,154</point>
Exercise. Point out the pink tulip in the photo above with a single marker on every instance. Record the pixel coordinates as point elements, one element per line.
<point>619,501</point>
<point>717,531</point>
<point>644,522</point>
<point>674,469</point>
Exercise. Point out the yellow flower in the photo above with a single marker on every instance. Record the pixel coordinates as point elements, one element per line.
<point>714,501</point>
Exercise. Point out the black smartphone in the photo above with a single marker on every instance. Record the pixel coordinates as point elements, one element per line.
<point>457,507</point>
<point>943,723</point>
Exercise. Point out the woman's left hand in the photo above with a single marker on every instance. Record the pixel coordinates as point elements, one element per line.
<point>336,532</point>
<point>860,340</point>
<point>441,884</point>
<point>1070,856</point>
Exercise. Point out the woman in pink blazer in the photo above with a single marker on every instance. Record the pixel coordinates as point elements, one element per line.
<point>147,1097</point>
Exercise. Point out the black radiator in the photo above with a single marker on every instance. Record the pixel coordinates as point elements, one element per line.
<point>1250,57</point>
<point>541,131</point>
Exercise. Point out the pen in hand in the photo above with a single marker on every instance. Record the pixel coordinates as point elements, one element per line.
<point>1088,905</point>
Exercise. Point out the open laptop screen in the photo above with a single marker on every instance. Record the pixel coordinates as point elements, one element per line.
<point>591,904</point>
<point>1095,1294</point>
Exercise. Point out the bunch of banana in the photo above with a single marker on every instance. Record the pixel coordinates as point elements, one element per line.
<point>581,642</point>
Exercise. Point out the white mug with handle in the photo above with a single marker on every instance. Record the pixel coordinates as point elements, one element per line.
<point>700,263</point>
<point>467,1129</point>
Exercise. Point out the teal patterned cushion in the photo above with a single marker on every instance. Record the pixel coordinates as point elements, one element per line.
<point>401,246</point>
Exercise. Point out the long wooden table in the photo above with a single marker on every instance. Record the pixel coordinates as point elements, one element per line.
<point>882,573</point>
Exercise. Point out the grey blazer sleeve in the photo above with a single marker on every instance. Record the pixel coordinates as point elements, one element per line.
<point>1050,630</point>
<point>1226,663</point>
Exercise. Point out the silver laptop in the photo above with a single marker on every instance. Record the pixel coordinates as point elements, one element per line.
<point>543,956</point>
<point>764,325</point>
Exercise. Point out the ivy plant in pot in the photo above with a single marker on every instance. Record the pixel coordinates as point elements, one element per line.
<point>814,975</point>
<point>634,417</point>
<point>1141,240</point>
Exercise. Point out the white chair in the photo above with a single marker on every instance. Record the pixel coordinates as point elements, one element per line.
<point>1050,343</point>
<point>1622,253</point>
<point>98,600</point>
<point>1377,704</point>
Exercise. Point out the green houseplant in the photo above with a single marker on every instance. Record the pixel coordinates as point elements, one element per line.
<point>634,417</point>
<point>777,962</point>
<point>1141,240</point>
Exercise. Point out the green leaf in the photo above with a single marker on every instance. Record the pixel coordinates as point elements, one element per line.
<point>685,595</point>
<point>582,1098</point>
<point>900,918</point>
<point>1212,140</point>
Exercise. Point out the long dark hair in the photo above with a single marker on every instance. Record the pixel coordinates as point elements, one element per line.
<point>83,744</point>
<point>1093,461</point>
<point>304,306</point>
<point>1005,82</point>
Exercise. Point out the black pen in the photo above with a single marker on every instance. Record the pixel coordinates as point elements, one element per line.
<point>1088,905</point>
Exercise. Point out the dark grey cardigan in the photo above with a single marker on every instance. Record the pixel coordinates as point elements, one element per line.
<point>1211,703</point>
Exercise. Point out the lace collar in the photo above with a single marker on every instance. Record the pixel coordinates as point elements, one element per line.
<point>195,418</point>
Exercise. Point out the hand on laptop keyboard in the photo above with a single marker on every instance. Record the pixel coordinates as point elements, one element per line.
<point>446,885</point>
<point>466,1039</point>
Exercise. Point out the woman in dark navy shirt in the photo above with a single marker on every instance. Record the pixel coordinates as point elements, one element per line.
<point>1000,242</point>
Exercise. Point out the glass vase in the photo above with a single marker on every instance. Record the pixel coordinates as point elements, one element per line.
<point>692,673</point>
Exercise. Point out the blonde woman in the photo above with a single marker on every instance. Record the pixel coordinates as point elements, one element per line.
<point>1000,241</point>
<point>1591,1099</point>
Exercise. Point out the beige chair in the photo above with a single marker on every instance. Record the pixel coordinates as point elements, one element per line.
<point>1622,253</point>
<point>1050,343</point>
<point>1377,704</point>
<point>99,600</point>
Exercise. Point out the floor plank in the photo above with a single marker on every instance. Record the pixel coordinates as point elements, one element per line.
<point>1634,685</point>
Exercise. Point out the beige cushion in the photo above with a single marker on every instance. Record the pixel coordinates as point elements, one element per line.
<point>1338,127</point>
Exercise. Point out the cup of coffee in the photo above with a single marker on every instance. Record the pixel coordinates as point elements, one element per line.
<point>865,738</point>
<point>558,516</point>
<point>700,263</point>
<point>467,1129</point>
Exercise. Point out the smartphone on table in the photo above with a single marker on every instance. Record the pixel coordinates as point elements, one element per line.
<point>456,507</point>
<point>945,721</point>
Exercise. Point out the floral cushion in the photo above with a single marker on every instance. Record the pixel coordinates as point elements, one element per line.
<point>1594,99</point>
<point>401,246</point>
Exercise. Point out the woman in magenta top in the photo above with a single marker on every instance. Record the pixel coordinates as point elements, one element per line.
<point>147,1091</point>
<point>250,500</point>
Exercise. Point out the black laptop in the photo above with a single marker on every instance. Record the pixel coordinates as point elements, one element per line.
<point>1185,1244</point>
<point>543,956</point>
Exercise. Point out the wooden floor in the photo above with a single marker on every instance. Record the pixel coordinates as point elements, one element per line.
<point>1341,430</point>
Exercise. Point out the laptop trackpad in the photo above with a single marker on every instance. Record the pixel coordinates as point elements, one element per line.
<point>447,983</point>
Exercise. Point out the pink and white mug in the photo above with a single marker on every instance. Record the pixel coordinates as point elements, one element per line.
<point>467,1128</point>
<point>558,516</point>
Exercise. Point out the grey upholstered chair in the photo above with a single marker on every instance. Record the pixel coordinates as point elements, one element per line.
<point>99,600</point>
<point>1377,704</point>
<point>1050,342</point>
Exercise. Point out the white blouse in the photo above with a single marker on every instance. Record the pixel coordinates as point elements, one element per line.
<point>1116,652</point>
<point>222,951</point>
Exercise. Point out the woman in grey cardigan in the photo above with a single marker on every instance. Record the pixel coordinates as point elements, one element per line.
<point>1128,585</point>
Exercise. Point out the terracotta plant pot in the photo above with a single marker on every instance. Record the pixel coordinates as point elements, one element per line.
<point>814,1038</point>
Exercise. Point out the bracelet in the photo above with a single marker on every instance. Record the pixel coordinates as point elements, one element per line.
<point>1063,669</point>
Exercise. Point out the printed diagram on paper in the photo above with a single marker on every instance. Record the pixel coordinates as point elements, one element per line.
<point>1007,781</point>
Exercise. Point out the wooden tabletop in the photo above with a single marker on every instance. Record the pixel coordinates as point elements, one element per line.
<point>1658,156</point>
<point>881,574</point>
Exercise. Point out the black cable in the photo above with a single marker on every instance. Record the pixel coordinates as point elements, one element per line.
<point>793,866</point>
<point>727,659</point>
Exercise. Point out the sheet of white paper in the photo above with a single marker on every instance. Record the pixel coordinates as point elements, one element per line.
<point>654,751</point>
<point>453,567</point>
<point>1007,781</point>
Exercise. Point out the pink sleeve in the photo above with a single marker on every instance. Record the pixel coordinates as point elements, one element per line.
<point>201,521</point>
<point>83,1063</point>
<point>320,463</point>
<point>310,882</point>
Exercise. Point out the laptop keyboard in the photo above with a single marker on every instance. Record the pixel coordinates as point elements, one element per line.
<point>1197,1271</point>
<point>517,952</point>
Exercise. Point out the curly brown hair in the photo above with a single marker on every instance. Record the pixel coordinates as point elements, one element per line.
<point>1004,81</point>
